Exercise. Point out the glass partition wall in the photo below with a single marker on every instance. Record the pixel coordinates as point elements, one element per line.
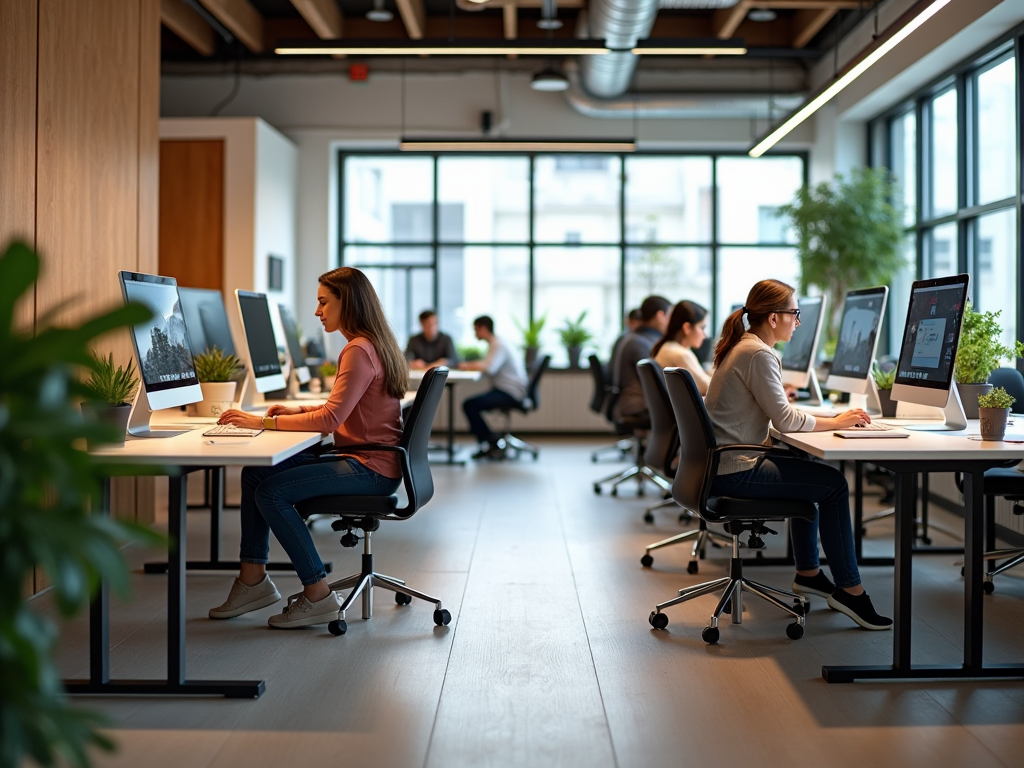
<point>522,237</point>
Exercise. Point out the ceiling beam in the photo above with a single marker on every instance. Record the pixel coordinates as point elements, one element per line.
<point>188,25</point>
<point>510,16</point>
<point>323,16</point>
<point>808,23</point>
<point>239,16</point>
<point>725,21</point>
<point>414,16</point>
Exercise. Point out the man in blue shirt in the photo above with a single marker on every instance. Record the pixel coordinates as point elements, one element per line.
<point>508,387</point>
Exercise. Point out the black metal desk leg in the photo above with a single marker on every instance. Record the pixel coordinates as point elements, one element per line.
<point>858,509</point>
<point>176,581</point>
<point>216,510</point>
<point>906,531</point>
<point>99,617</point>
<point>451,424</point>
<point>974,532</point>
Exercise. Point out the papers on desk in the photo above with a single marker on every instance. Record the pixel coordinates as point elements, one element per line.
<point>860,433</point>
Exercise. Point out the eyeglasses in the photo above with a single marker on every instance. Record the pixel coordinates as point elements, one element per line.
<point>794,312</point>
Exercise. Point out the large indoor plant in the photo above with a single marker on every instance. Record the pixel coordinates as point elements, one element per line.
<point>574,336</point>
<point>978,354</point>
<point>531,337</point>
<point>215,371</point>
<point>48,487</point>
<point>111,391</point>
<point>849,235</point>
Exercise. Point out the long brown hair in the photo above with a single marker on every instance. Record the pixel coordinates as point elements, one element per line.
<point>684,312</point>
<point>764,298</point>
<point>362,315</point>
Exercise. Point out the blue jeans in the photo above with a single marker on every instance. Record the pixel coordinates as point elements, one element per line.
<point>789,477</point>
<point>474,407</point>
<point>270,493</point>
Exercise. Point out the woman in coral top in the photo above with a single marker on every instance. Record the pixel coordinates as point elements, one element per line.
<point>363,407</point>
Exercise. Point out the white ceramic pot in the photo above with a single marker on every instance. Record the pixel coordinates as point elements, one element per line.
<point>328,383</point>
<point>217,397</point>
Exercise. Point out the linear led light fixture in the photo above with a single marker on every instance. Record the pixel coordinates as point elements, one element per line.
<point>661,46</point>
<point>540,47</point>
<point>900,31</point>
<point>516,145</point>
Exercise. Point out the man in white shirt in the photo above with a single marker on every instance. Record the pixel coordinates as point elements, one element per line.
<point>508,387</point>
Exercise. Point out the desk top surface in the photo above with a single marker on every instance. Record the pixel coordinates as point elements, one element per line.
<point>453,375</point>
<point>935,446</point>
<point>191,449</point>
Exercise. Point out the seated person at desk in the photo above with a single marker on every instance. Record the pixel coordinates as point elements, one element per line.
<point>508,387</point>
<point>363,408</point>
<point>687,329</point>
<point>637,345</point>
<point>746,393</point>
<point>430,348</point>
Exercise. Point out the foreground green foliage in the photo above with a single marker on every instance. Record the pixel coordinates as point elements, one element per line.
<point>47,488</point>
<point>214,366</point>
<point>980,347</point>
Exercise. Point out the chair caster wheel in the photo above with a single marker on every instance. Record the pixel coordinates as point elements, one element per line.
<point>597,489</point>
<point>402,599</point>
<point>442,617</point>
<point>338,627</point>
<point>926,540</point>
<point>685,519</point>
<point>658,620</point>
<point>615,491</point>
<point>863,532</point>
<point>692,567</point>
<point>988,587</point>
<point>647,561</point>
<point>794,631</point>
<point>961,570</point>
<point>710,635</point>
<point>648,517</point>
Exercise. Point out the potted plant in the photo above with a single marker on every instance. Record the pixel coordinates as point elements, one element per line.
<point>574,336</point>
<point>883,382</point>
<point>978,355</point>
<point>49,495</point>
<point>994,412</point>
<point>470,352</point>
<point>849,235</point>
<point>110,391</point>
<point>215,371</point>
<point>531,338</point>
<point>328,372</point>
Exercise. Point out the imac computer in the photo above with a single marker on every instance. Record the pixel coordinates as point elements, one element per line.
<point>798,356</point>
<point>263,367</point>
<point>299,373</point>
<point>924,373</point>
<point>863,311</point>
<point>206,320</point>
<point>162,350</point>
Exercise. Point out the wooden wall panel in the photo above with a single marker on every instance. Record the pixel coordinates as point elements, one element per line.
<point>192,212</point>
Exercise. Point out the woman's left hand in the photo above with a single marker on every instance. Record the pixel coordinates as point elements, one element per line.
<point>241,419</point>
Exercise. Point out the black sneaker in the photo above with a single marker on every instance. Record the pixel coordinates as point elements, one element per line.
<point>858,608</point>
<point>494,452</point>
<point>818,584</point>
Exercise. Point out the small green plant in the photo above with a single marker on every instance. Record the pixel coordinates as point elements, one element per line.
<point>996,398</point>
<point>470,352</point>
<point>328,369</point>
<point>573,334</point>
<point>531,332</point>
<point>111,384</point>
<point>883,379</point>
<point>980,347</point>
<point>215,366</point>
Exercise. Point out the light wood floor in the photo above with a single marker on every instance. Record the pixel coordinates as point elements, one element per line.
<point>549,660</point>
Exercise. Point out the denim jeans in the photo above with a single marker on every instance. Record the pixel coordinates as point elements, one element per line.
<point>270,493</point>
<point>789,477</point>
<point>474,407</point>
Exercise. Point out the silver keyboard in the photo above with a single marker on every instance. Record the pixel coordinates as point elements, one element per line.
<point>872,427</point>
<point>230,430</point>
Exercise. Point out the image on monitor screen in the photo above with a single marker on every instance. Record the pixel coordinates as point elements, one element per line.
<point>162,344</point>
<point>858,333</point>
<point>800,349</point>
<point>932,332</point>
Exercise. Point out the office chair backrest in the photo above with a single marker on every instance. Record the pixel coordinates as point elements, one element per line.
<point>600,394</point>
<point>1012,381</point>
<point>697,443</point>
<point>419,483</point>
<point>662,443</point>
<point>532,400</point>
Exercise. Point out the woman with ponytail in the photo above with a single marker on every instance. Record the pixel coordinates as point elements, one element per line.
<point>687,329</point>
<point>745,396</point>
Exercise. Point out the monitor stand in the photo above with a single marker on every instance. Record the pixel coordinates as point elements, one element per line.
<point>954,418</point>
<point>138,419</point>
<point>251,400</point>
<point>871,402</point>
<point>814,389</point>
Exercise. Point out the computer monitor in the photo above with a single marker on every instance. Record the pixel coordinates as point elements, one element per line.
<point>299,370</point>
<point>798,356</point>
<point>207,320</point>
<point>263,371</point>
<point>858,339</point>
<point>924,373</point>
<point>162,349</point>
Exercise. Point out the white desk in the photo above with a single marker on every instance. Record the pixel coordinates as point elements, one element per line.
<point>454,377</point>
<point>174,456</point>
<point>906,457</point>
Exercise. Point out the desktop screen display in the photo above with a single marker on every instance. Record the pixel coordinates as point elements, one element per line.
<point>858,333</point>
<point>291,334</point>
<point>206,320</point>
<point>260,341</point>
<point>161,344</point>
<point>932,332</point>
<point>799,352</point>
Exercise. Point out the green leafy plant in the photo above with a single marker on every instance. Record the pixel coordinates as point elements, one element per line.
<point>112,384</point>
<point>213,365</point>
<point>49,489</point>
<point>848,236</point>
<point>883,379</point>
<point>996,398</point>
<point>328,369</point>
<point>531,332</point>
<point>573,334</point>
<point>980,347</point>
<point>470,352</point>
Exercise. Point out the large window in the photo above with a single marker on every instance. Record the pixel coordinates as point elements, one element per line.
<point>530,236</point>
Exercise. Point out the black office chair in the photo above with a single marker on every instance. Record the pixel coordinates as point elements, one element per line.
<point>531,402</point>
<point>699,456</point>
<point>598,400</point>
<point>366,512</point>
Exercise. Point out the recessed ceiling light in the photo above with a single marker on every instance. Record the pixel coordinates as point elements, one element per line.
<point>549,80</point>
<point>762,14</point>
<point>379,12</point>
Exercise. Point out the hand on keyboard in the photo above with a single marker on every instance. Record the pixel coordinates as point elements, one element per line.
<point>873,427</point>
<point>230,430</point>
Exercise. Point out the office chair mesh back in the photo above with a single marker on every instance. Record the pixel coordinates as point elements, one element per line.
<point>532,400</point>
<point>1012,381</point>
<point>597,399</point>
<point>697,442</point>
<point>419,483</point>
<point>662,442</point>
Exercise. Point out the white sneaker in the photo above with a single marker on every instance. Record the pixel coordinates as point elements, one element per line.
<point>243,599</point>
<point>303,613</point>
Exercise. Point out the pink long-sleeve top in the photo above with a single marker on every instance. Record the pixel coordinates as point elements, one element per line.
<point>359,409</point>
